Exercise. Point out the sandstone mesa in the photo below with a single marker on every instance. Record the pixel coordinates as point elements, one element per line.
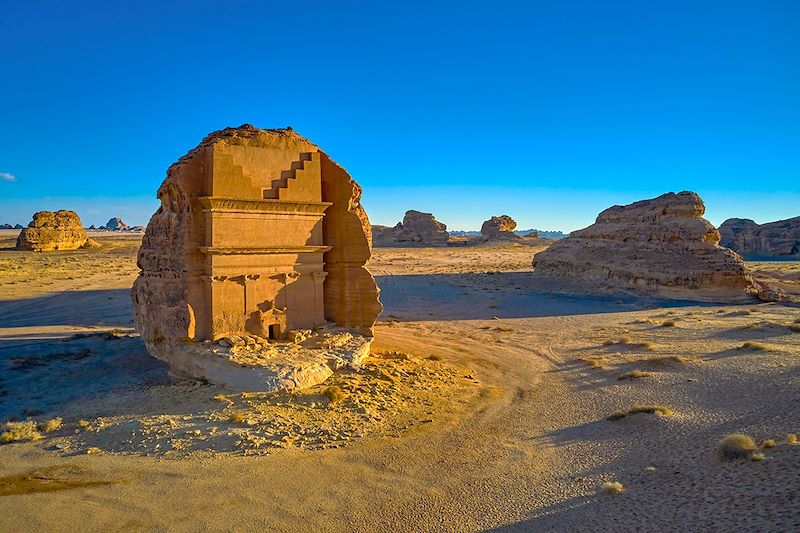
<point>773,240</point>
<point>252,270</point>
<point>54,230</point>
<point>662,246</point>
<point>416,228</point>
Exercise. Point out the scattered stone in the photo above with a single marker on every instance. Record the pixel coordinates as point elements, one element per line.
<point>661,246</point>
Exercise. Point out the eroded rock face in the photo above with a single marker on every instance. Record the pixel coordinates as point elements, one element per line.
<point>502,229</point>
<point>259,232</point>
<point>662,246</point>
<point>116,224</point>
<point>416,228</point>
<point>53,230</point>
<point>774,240</point>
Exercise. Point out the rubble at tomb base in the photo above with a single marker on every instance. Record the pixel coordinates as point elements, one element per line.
<point>416,228</point>
<point>260,236</point>
<point>54,230</point>
<point>661,247</point>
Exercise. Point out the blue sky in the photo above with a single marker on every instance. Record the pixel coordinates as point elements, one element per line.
<point>546,111</point>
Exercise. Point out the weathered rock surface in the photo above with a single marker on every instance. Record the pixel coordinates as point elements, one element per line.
<point>259,232</point>
<point>49,231</point>
<point>502,229</point>
<point>661,246</point>
<point>116,224</point>
<point>416,228</point>
<point>774,240</point>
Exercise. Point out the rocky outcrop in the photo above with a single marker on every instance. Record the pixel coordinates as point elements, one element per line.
<point>49,231</point>
<point>774,240</point>
<point>502,229</point>
<point>18,226</point>
<point>416,228</point>
<point>661,246</point>
<point>6,226</point>
<point>259,234</point>
<point>116,224</point>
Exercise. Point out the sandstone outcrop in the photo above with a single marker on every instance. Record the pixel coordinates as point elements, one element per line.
<point>416,228</point>
<point>502,229</point>
<point>773,240</point>
<point>54,230</point>
<point>259,233</point>
<point>661,246</point>
<point>116,224</point>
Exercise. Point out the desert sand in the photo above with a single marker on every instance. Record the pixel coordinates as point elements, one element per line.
<point>483,407</point>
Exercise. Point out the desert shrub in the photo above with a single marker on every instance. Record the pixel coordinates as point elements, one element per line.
<point>668,324</point>
<point>50,425</point>
<point>768,443</point>
<point>791,438</point>
<point>755,346</point>
<point>237,417</point>
<point>334,394</point>
<point>434,358</point>
<point>634,374</point>
<point>659,410</point>
<point>758,457</point>
<point>736,446</point>
<point>84,424</point>
<point>666,359</point>
<point>596,362</point>
<point>17,431</point>
<point>612,487</point>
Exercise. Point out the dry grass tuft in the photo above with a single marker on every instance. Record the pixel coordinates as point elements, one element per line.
<point>736,446</point>
<point>627,341</point>
<point>668,324</point>
<point>658,410</point>
<point>434,358</point>
<point>612,487</point>
<point>667,359</point>
<point>597,361</point>
<point>758,457</point>
<point>755,346</point>
<point>84,424</point>
<point>334,394</point>
<point>237,417</point>
<point>51,425</point>
<point>791,438</point>
<point>17,431</point>
<point>768,443</point>
<point>634,374</point>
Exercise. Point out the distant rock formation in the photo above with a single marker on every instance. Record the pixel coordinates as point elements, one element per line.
<point>502,229</point>
<point>259,245</point>
<point>6,226</point>
<point>49,231</point>
<point>774,240</point>
<point>661,246</point>
<point>115,224</point>
<point>18,226</point>
<point>416,228</point>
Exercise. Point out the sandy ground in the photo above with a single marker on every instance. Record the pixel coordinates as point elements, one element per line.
<point>484,407</point>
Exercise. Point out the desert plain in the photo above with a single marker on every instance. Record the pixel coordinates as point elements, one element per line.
<point>485,405</point>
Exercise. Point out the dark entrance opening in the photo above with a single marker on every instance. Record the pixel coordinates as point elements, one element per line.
<point>274,331</point>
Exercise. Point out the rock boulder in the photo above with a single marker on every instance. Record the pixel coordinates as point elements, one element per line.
<point>49,231</point>
<point>416,228</point>
<point>663,247</point>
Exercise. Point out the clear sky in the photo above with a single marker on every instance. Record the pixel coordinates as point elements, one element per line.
<point>548,111</point>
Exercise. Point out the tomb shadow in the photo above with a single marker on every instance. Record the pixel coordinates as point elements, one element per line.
<point>486,295</point>
<point>70,308</point>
